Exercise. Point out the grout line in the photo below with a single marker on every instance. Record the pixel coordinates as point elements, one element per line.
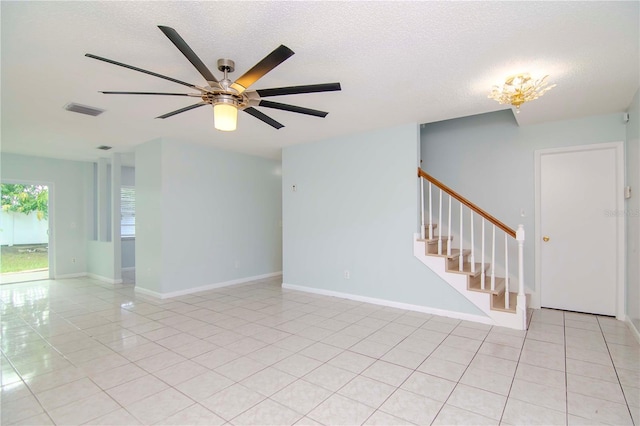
<point>566,372</point>
<point>515,372</point>
<point>624,395</point>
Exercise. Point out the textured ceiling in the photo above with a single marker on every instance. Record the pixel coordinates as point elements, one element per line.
<point>398,62</point>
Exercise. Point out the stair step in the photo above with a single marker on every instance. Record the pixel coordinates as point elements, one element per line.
<point>475,285</point>
<point>433,227</point>
<point>497,302</point>
<point>466,269</point>
<point>431,246</point>
<point>455,254</point>
<point>435,239</point>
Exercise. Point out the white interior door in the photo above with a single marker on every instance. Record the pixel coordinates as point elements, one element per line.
<point>579,194</point>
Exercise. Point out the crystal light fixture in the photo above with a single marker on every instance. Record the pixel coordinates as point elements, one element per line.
<point>520,88</point>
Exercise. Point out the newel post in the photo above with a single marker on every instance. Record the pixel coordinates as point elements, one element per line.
<point>522,297</point>
<point>421,207</point>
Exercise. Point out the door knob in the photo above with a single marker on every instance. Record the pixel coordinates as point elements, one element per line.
<point>545,239</point>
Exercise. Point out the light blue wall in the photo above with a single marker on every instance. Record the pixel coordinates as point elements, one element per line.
<point>100,260</point>
<point>149,216</point>
<point>632,207</point>
<point>355,208</point>
<point>218,212</point>
<point>67,199</point>
<point>490,160</point>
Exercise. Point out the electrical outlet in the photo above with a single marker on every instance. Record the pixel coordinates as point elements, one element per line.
<point>73,260</point>
<point>347,274</point>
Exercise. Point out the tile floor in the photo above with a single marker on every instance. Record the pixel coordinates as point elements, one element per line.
<point>80,352</point>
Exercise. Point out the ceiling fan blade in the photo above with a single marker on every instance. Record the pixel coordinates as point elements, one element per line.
<point>178,111</point>
<point>152,93</point>
<point>120,64</point>
<point>295,90</point>
<point>188,53</point>
<point>272,60</point>
<point>263,117</point>
<point>292,108</point>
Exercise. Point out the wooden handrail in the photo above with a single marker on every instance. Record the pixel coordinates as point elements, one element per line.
<point>454,194</point>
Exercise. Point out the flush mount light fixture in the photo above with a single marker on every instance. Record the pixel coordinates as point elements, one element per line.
<point>520,88</point>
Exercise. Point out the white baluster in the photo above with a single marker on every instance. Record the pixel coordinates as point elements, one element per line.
<point>473,250</point>
<point>522,298</point>
<point>450,229</point>
<point>430,214</point>
<point>422,208</point>
<point>482,259</point>
<point>493,259</point>
<point>440,223</point>
<point>506,271</point>
<point>461,257</point>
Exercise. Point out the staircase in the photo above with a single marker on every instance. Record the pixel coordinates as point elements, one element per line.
<point>487,283</point>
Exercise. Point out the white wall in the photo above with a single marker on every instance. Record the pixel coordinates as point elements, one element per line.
<point>67,215</point>
<point>632,209</point>
<point>355,208</point>
<point>20,228</point>
<point>204,216</point>
<point>489,159</point>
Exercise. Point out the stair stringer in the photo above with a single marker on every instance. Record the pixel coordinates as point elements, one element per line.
<point>460,282</point>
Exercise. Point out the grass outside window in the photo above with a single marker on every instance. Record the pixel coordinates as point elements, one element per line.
<point>21,258</point>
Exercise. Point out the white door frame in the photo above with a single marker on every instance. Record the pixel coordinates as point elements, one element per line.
<point>620,220</point>
<point>51,244</point>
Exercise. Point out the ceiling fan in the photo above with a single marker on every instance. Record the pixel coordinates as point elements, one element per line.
<point>228,97</point>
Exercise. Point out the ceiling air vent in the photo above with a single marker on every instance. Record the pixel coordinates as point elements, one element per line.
<point>83,109</point>
<point>105,147</point>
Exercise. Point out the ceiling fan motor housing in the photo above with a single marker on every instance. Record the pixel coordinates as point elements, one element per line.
<point>226,65</point>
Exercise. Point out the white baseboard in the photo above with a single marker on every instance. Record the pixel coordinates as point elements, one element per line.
<point>632,327</point>
<point>132,268</point>
<point>67,276</point>
<point>391,303</point>
<point>204,287</point>
<point>104,279</point>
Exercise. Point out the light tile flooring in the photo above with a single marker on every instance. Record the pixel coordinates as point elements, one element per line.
<point>79,352</point>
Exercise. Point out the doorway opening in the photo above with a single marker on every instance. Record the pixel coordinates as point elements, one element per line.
<point>24,233</point>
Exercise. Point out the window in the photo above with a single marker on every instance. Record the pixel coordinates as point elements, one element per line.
<point>128,211</point>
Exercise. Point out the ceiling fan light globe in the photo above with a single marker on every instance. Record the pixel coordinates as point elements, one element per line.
<point>225,117</point>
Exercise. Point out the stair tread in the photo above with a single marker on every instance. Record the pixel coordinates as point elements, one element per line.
<point>435,239</point>
<point>497,302</point>
<point>455,253</point>
<point>475,284</point>
<point>466,269</point>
